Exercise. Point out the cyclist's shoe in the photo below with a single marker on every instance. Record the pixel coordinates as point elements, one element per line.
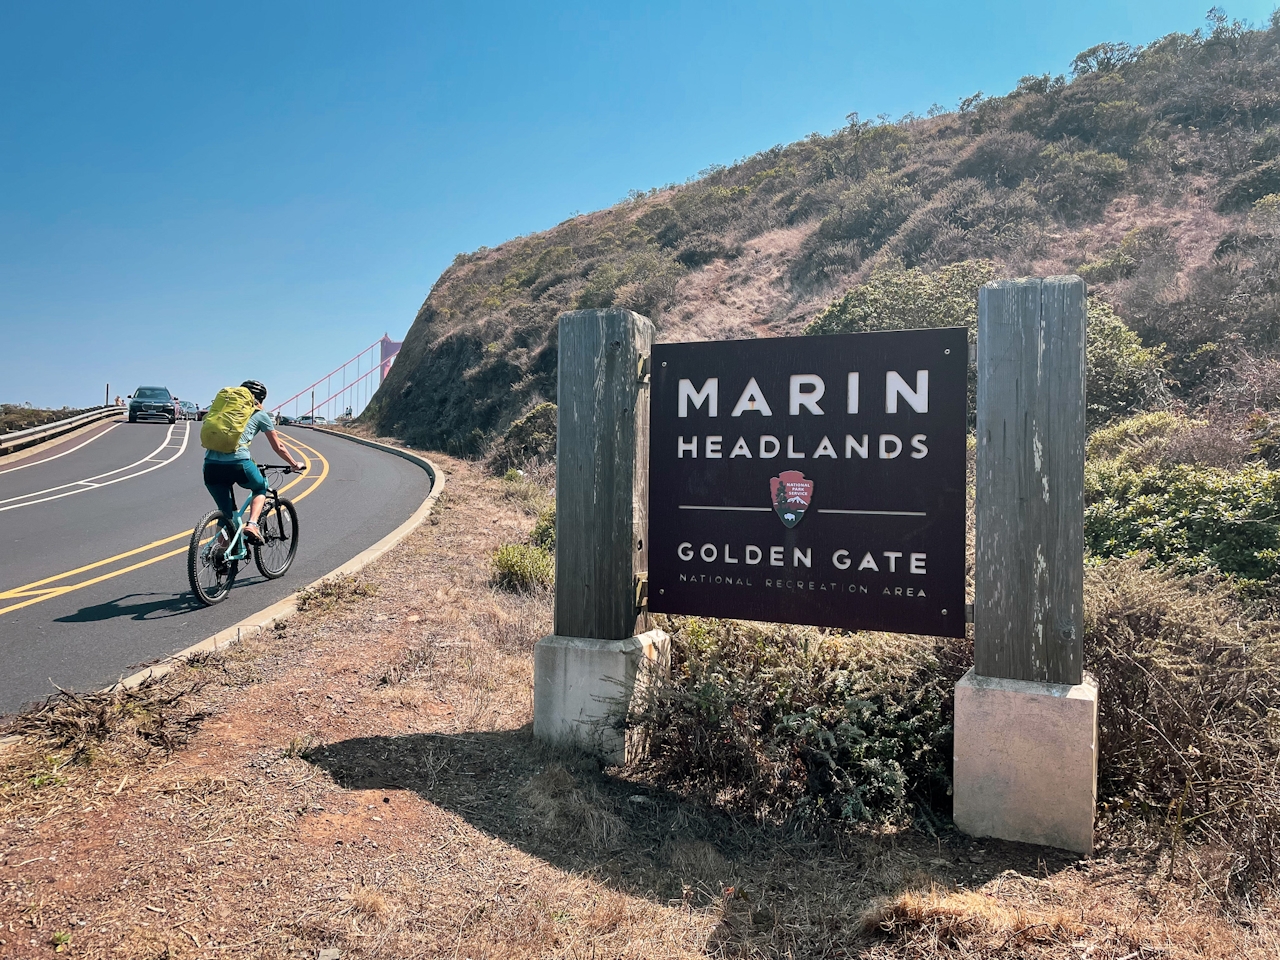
<point>253,534</point>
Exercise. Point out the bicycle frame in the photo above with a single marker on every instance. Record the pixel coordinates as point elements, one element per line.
<point>238,543</point>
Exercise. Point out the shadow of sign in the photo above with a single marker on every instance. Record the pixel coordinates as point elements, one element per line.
<point>757,879</point>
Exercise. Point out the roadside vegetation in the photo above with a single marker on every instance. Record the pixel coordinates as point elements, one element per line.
<point>15,416</point>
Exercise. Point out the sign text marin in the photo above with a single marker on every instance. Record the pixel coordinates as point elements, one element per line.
<point>814,480</point>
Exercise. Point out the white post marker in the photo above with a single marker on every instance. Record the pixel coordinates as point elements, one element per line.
<point>1026,721</point>
<point>587,674</point>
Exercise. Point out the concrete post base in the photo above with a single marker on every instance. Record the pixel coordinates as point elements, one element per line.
<point>1026,761</point>
<point>583,689</point>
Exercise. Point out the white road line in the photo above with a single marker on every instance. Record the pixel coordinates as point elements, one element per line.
<point>36,463</point>
<point>106,483</point>
<point>149,457</point>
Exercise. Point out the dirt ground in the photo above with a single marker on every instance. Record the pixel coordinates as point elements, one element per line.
<point>362,782</point>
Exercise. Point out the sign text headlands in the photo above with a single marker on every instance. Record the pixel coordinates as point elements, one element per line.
<point>811,480</point>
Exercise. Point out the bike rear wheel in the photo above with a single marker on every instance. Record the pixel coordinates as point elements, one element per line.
<point>210,572</point>
<point>279,526</point>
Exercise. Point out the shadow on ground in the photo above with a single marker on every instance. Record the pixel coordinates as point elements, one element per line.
<point>773,883</point>
<point>135,607</point>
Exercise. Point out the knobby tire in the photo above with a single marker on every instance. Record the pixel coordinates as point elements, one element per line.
<point>224,574</point>
<point>279,526</point>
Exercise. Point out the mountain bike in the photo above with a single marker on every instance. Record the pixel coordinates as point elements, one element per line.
<point>218,545</point>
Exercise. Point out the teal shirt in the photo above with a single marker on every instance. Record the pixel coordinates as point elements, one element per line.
<point>259,422</point>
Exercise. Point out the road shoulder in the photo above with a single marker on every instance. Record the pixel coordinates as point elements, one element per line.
<point>60,444</point>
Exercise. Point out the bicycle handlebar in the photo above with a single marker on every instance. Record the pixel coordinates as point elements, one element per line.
<point>281,466</point>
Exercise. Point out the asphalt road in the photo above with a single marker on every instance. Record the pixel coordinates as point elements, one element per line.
<point>93,543</point>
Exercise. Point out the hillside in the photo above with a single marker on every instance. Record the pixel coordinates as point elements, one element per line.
<point>1153,172</point>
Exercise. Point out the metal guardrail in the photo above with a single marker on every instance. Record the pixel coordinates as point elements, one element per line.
<point>47,431</point>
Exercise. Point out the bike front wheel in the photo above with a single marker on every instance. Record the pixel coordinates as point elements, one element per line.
<point>279,526</point>
<point>210,572</point>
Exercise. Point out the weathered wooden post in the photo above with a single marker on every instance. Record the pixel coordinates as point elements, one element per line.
<point>1026,731</point>
<point>587,673</point>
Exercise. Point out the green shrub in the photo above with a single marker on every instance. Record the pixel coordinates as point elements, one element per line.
<point>1140,245</point>
<point>896,299</point>
<point>544,530</point>
<point>782,722</point>
<point>522,568</point>
<point>1001,158</point>
<point>869,213</point>
<point>1130,441</point>
<point>1122,374</point>
<point>1079,183</point>
<point>1192,519</point>
<point>533,435</point>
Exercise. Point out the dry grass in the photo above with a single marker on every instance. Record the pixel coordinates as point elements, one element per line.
<point>154,715</point>
<point>364,779</point>
<point>334,592</point>
<point>743,298</point>
<point>1076,915</point>
<point>1188,725</point>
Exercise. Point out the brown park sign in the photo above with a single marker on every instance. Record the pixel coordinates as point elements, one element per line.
<point>814,480</point>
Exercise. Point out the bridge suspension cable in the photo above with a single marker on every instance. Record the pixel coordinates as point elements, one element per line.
<point>346,389</point>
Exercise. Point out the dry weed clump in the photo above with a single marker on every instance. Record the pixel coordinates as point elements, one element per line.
<point>936,921</point>
<point>515,622</point>
<point>780,722</point>
<point>529,490</point>
<point>334,592</point>
<point>157,714</point>
<point>522,568</point>
<point>1189,721</point>
<point>1218,438</point>
<point>562,808</point>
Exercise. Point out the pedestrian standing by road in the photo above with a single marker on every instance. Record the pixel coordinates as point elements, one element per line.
<point>223,468</point>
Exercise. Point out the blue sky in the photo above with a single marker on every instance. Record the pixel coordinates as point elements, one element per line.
<point>192,194</point>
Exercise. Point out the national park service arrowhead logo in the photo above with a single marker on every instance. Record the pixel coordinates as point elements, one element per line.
<point>791,494</point>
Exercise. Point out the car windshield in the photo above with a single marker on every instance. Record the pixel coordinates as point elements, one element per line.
<point>151,393</point>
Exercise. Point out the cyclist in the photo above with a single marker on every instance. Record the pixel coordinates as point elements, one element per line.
<point>222,471</point>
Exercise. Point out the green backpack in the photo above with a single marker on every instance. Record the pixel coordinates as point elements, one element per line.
<point>227,417</point>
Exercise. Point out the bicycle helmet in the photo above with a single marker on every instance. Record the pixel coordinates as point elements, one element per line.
<point>258,390</point>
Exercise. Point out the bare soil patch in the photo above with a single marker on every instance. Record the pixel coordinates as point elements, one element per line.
<point>363,779</point>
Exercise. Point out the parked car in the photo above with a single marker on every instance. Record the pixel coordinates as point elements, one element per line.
<point>152,403</point>
<point>310,421</point>
<point>190,411</point>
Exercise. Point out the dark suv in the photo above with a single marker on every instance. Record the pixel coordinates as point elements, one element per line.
<point>152,403</point>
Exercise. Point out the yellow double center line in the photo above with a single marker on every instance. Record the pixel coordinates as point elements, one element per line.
<point>50,587</point>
